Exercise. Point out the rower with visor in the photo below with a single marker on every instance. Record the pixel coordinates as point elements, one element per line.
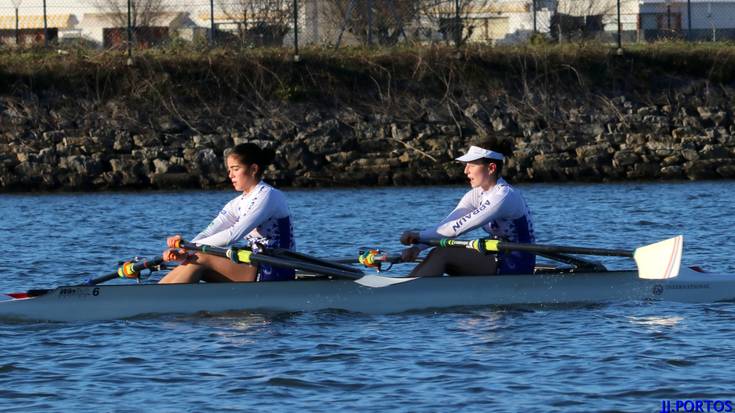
<point>493,205</point>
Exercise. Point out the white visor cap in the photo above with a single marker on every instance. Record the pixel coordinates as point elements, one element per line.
<point>476,153</point>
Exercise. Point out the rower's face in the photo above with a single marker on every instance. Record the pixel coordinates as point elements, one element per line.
<point>242,176</point>
<point>480,173</point>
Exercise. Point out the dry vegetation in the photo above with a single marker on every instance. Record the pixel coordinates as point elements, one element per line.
<point>368,79</point>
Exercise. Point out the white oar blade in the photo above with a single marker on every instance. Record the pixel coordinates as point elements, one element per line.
<point>661,260</point>
<point>377,281</point>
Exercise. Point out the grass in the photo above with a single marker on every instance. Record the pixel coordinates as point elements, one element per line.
<point>357,75</point>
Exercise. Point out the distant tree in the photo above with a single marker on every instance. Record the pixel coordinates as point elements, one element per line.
<point>583,18</point>
<point>259,22</point>
<point>455,19</point>
<point>382,22</point>
<point>143,13</point>
<point>584,8</point>
<point>16,6</point>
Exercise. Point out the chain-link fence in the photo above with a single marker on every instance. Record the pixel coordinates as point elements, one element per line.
<point>338,23</point>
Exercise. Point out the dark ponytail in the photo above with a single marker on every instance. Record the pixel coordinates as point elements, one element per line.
<point>504,146</point>
<point>250,153</point>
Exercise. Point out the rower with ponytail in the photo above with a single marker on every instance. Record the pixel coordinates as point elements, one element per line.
<point>258,217</point>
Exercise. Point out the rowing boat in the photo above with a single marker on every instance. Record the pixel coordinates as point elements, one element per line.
<point>101,302</point>
<point>325,284</point>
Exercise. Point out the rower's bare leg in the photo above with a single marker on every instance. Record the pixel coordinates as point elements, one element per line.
<point>183,274</point>
<point>221,269</point>
<point>211,269</point>
<point>455,261</point>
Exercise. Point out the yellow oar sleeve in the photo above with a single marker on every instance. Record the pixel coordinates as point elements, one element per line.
<point>243,256</point>
<point>491,245</point>
<point>481,245</point>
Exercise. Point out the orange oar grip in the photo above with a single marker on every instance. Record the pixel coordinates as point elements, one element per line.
<point>368,259</point>
<point>127,271</point>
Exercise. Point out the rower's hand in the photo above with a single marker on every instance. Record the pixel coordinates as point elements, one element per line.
<point>172,242</point>
<point>410,254</point>
<point>410,238</point>
<point>174,254</point>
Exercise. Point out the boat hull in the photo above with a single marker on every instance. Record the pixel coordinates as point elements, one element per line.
<point>123,301</point>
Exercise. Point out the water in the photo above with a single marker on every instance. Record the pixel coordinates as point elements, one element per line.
<point>620,357</point>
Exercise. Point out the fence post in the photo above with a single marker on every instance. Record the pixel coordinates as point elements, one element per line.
<point>45,26</point>
<point>17,28</point>
<point>212,35</point>
<point>620,31</point>
<point>689,20</point>
<point>296,56</point>
<point>130,33</point>
<point>535,27</point>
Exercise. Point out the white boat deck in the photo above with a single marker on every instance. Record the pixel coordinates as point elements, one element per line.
<point>122,301</point>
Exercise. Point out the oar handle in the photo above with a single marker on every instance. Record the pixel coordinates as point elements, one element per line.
<point>244,256</point>
<point>207,249</point>
<point>130,269</point>
<point>491,245</point>
<point>391,259</point>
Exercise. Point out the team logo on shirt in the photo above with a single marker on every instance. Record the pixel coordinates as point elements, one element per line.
<point>460,222</point>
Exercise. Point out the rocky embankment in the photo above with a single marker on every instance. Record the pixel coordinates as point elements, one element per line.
<point>57,142</point>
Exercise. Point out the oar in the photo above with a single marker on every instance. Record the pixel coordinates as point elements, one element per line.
<point>284,253</point>
<point>655,261</point>
<point>368,259</point>
<point>386,258</point>
<point>129,269</point>
<point>248,257</point>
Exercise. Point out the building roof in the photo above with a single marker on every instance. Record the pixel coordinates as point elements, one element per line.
<point>203,17</point>
<point>591,7</point>
<point>482,7</point>
<point>109,20</point>
<point>59,21</point>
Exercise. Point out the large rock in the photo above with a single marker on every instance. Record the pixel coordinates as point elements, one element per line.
<point>327,144</point>
<point>173,180</point>
<point>644,171</point>
<point>702,169</point>
<point>726,171</point>
<point>672,172</point>
<point>81,165</point>
<point>625,158</point>
<point>143,141</point>
<point>122,143</point>
<point>714,152</point>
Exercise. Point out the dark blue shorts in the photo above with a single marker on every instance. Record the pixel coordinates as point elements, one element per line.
<point>516,262</point>
<point>267,272</point>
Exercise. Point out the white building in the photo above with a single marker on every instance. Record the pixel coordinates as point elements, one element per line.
<point>710,19</point>
<point>483,21</point>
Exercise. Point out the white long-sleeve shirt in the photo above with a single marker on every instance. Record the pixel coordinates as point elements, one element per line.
<point>261,216</point>
<point>501,212</point>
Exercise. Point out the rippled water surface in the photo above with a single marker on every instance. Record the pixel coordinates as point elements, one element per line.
<point>622,357</point>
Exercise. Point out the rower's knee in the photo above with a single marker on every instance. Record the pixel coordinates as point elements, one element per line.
<point>201,259</point>
<point>182,274</point>
<point>433,265</point>
<point>455,261</point>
